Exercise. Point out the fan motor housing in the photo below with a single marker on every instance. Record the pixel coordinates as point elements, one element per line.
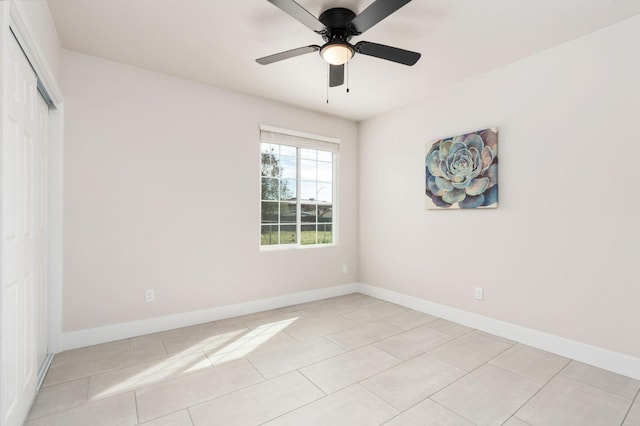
<point>338,22</point>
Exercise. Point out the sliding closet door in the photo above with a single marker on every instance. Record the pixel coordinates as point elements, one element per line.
<point>24,237</point>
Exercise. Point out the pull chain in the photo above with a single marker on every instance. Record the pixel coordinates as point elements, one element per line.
<point>347,69</point>
<point>328,72</point>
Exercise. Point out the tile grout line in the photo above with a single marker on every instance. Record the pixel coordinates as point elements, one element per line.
<point>452,338</point>
<point>221,395</point>
<point>445,407</point>
<point>366,344</point>
<point>458,338</point>
<point>29,419</point>
<point>518,419</point>
<point>459,378</point>
<point>135,400</point>
<point>596,386</point>
<point>633,401</point>
<point>86,396</point>
<point>259,372</point>
<point>304,405</point>
<point>190,416</point>
<point>467,373</point>
<point>166,415</point>
<point>89,375</point>
<point>539,390</point>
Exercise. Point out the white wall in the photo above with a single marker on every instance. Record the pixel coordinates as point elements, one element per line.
<point>162,191</point>
<point>561,254</point>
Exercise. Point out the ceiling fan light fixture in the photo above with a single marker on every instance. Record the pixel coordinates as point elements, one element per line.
<point>337,52</point>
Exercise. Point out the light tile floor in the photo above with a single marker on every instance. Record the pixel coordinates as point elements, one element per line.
<point>350,360</point>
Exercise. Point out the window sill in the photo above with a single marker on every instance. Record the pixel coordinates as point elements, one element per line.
<point>294,247</point>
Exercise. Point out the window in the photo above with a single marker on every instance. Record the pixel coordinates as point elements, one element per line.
<point>297,174</point>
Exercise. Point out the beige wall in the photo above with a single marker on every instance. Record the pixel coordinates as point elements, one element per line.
<point>561,255</point>
<point>162,192</point>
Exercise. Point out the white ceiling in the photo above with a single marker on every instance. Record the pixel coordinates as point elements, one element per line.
<point>216,42</point>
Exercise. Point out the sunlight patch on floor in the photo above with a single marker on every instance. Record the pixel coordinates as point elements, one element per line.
<point>232,345</point>
<point>249,342</point>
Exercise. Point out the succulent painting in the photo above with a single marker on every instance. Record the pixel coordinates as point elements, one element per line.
<point>462,171</point>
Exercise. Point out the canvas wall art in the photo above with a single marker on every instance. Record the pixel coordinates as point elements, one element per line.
<point>462,171</point>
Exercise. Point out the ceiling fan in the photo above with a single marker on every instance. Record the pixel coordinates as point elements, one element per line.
<point>337,26</point>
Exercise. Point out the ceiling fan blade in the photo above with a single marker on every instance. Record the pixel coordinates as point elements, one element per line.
<point>376,12</point>
<point>299,13</point>
<point>401,56</point>
<point>336,75</point>
<point>287,54</point>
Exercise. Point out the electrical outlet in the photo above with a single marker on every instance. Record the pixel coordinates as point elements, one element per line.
<point>150,295</point>
<point>345,269</point>
<point>479,293</point>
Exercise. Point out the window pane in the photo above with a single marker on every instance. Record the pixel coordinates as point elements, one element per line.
<point>267,147</point>
<point>288,150</point>
<point>325,172</point>
<point>288,166</point>
<point>288,234</point>
<point>269,235</point>
<point>288,212</point>
<point>270,188</point>
<point>325,156</point>
<point>325,213</point>
<point>324,193</point>
<point>269,212</point>
<point>309,154</point>
<point>270,165</point>
<point>308,234</point>
<point>307,190</point>
<point>308,170</point>
<point>325,233</point>
<point>308,213</point>
<point>288,189</point>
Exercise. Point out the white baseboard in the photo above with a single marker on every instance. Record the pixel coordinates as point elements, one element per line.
<point>603,358</point>
<point>110,333</point>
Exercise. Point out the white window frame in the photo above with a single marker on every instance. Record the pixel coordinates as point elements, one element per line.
<point>299,139</point>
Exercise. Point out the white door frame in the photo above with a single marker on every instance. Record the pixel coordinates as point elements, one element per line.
<point>12,20</point>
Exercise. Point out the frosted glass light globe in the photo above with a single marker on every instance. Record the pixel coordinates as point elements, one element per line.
<point>337,53</point>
